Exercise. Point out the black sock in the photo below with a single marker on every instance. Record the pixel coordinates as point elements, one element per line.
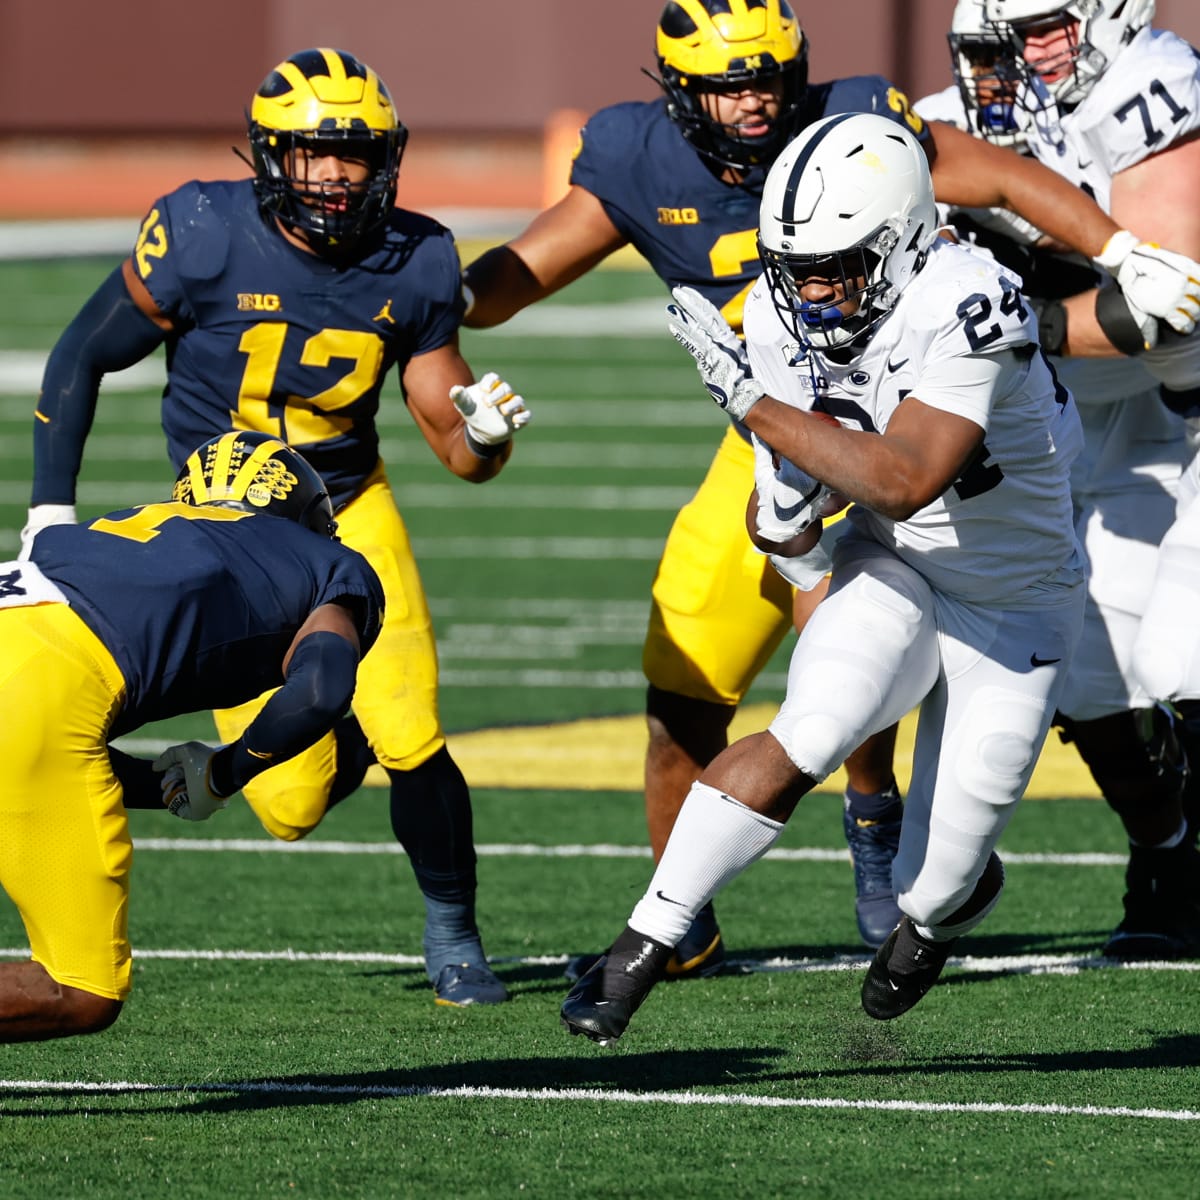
<point>354,758</point>
<point>431,818</point>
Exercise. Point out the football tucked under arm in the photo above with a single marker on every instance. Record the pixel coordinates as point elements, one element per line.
<point>784,517</point>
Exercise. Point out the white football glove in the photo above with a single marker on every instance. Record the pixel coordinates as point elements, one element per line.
<point>720,356</point>
<point>804,571</point>
<point>42,516</point>
<point>1155,283</point>
<point>185,783</point>
<point>492,410</point>
<point>789,499</point>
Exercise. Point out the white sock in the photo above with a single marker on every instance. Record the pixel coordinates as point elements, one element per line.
<point>715,838</point>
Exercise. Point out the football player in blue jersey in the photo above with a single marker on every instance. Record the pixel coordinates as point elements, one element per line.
<point>284,301</point>
<point>237,584</point>
<point>680,179</point>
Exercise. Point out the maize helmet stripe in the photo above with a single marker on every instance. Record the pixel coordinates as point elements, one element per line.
<point>256,472</point>
<point>249,469</point>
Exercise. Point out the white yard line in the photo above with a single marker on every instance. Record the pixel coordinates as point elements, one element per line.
<point>531,850</point>
<point>612,1096</point>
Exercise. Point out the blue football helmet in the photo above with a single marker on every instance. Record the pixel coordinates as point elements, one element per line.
<point>257,473</point>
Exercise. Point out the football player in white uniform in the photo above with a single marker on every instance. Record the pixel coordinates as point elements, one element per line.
<point>957,579</point>
<point>1044,77</point>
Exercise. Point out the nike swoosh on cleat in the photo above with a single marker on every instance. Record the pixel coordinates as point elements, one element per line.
<point>1034,661</point>
<point>668,900</point>
<point>893,985</point>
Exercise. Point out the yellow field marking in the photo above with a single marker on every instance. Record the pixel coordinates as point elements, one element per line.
<point>606,754</point>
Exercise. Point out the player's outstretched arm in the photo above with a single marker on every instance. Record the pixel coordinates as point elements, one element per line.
<point>562,243</point>
<point>319,674</point>
<point>110,332</point>
<point>1154,199</point>
<point>969,172</point>
<point>469,425</point>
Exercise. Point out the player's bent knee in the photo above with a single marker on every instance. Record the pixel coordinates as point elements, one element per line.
<point>1001,736</point>
<point>85,1012</point>
<point>289,816</point>
<point>816,743</point>
<point>1160,669</point>
<point>698,726</point>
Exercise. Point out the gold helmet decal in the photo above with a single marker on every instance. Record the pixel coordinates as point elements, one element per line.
<point>231,468</point>
<point>257,473</point>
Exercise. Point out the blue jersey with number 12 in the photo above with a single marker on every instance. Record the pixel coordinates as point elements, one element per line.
<point>282,341</point>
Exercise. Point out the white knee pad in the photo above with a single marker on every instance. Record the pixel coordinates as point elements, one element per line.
<point>1000,736</point>
<point>867,656</point>
<point>982,778</point>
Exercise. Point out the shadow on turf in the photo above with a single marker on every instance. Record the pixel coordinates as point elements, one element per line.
<point>656,1072</point>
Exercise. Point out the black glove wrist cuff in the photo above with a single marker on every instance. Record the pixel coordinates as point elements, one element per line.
<point>221,781</point>
<point>483,449</point>
<point>1116,321</point>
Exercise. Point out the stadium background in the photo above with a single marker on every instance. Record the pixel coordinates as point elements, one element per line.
<point>104,106</point>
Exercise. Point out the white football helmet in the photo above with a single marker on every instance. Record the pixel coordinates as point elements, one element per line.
<point>1102,29</point>
<point>986,75</point>
<point>850,198</point>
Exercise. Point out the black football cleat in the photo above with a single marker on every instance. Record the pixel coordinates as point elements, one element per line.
<point>1162,906</point>
<point>601,1004</point>
<point>906,966</point>
<point>699,955</point>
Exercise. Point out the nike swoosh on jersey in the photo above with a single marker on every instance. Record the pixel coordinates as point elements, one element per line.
<point>891,366</point>
<point>1034,661</point>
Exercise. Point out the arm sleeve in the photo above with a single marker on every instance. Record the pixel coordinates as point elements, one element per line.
<point>317,691</point>
<point>109,333</point>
